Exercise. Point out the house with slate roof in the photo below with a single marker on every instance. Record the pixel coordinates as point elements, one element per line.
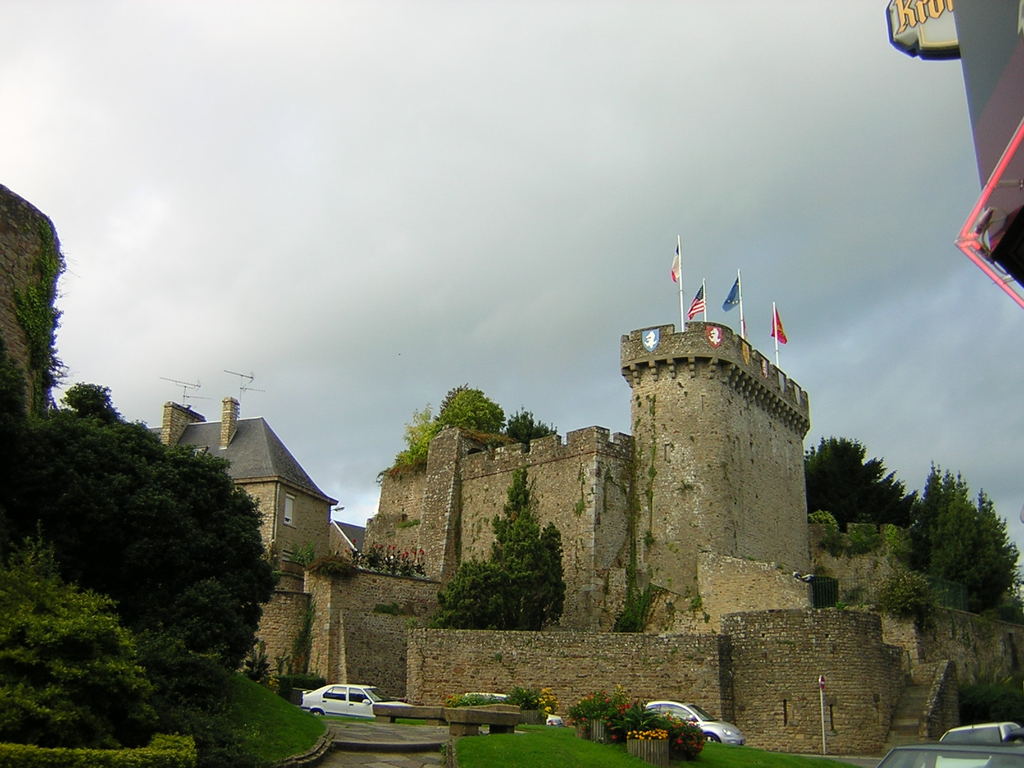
<point>296,513</point>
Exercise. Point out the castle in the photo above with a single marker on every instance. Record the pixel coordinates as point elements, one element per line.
<point>704,502</point>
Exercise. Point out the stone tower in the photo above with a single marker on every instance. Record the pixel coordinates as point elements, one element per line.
<point>718,434</point>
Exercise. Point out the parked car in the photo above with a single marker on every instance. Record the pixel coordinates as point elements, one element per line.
<point>949,755</point>
<point>714,730</point>
<point>555,720</point>
<point>980,733</point>
<point>344,699</point>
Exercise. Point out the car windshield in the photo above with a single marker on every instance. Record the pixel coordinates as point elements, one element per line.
<point>373,694</point>
<point>987,735</point>
<point>939,757</point>
<point>700,712</point>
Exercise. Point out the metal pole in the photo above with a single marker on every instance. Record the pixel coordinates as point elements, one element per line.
<point>821,691</point>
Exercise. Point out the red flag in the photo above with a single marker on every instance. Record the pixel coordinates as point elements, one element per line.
<point>677,267</point>
<point>777,330</point>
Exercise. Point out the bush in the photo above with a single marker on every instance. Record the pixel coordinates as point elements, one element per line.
<point>992,701</point>
<point>524,698</point>
<point>163,752</point>
<point>907,594</point>
<point>862,538</point>
<point>307,682</point>
<point>474,699</point>
<point>599,706</point>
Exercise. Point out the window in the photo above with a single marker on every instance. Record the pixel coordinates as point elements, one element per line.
<point>289,508</point>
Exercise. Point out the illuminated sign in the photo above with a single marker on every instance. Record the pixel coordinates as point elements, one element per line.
<point>924,28</point>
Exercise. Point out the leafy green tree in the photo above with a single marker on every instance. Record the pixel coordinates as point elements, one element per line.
<point>955,538</point>
<point>91,401</point>
<point>523,427</point>
<point>839,480</point>
<point>165,532</point>
<point>471,409</point>
<point>521,587</point>
<point>418,434</point>
<point>69,672</point>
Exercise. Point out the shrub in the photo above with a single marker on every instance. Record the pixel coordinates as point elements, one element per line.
<point>991,701</point>
<point>474,699</point>
<point>305,682</point>
<point>524,698</point>
<point>164,751</point>
<point>862,538</point>
<point>685,740</point>
<point>598,707</point>
<point>907,594</point>
<point>548,702</point>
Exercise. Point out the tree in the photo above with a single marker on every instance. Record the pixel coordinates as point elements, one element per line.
<point>91,401</point>
<point>69,672</point>
<point>418,434</point>
<point>839,480</point>
<point>959,540</point>
<point>523,427</point>
<point>471,409</point>
<point>521,587</point>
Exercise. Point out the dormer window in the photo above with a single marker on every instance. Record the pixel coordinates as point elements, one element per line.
<point>289,508</point>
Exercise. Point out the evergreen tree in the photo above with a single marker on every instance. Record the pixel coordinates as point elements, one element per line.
<point>955,538</point>
<point>839,480</point>
<point>523,427</point>
<point>521,587</point>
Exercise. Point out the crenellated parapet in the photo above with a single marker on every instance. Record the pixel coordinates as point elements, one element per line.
<point>711,350</point>
<point>577,444</point>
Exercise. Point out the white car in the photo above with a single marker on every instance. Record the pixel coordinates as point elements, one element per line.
<point>714,730</point>
<point>981,733</point>
<point>344,699</point>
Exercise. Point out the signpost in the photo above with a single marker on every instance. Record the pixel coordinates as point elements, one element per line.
<point>821,692</point>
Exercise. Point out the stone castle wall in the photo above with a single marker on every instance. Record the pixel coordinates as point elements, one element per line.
<point>572,664</point>
<point>281,622</point>
<point>360,626</point>
<point>719,450</point>
<point>777,657</point>
<point>26,236</point>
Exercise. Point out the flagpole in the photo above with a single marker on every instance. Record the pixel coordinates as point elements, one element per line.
<point>704,293</point>
<point>743,327</point>
<point>682,310</point>
<point>775,332</point>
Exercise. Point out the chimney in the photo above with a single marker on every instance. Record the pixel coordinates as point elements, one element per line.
<point>228,421</point>
<point>176,418</point>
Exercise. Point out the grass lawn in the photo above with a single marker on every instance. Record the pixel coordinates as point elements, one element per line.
<point>543,747</point>
<point>272,728</point>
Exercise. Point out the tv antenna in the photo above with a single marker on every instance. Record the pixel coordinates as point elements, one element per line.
<point>185,387</point>
<point>242,378</point>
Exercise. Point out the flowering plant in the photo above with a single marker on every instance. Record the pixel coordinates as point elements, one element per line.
<point>685,740</point>
<point>600,707</point>
<point>390,559</point>
<point>548,702</point>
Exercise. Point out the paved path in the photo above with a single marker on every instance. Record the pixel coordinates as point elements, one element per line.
<point>381,745</point>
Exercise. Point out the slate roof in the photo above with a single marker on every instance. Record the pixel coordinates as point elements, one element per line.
<point>254,452</point>
<point>354,533</point>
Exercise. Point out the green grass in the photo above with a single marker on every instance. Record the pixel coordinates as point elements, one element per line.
<point>543,747</point>
<point>272,728</point>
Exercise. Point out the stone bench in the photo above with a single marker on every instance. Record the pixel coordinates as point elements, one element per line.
<point>466,721</point>
<point>389,713</point>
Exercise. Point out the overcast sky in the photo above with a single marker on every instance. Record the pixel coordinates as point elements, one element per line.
<point>365,204</point>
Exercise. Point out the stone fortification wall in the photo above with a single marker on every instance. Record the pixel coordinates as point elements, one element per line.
<point>980,648</point>
<point>572,664</point>
<point>860,576</point>
<point>281,622</point>
<point>719,448</point>
<point>777,657</point>
<point>360,625</point>
<point>731,585</point>
<point>30,263</point>
<point>581,486</point>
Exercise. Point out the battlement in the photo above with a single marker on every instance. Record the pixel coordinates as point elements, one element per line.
<point>715,350</point>
<point>579,442</point>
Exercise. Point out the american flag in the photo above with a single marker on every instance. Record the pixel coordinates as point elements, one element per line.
<point>697,305</point>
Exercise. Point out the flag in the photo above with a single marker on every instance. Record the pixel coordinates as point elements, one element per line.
<point>677,268</point>
<point>733,299</point>
<point>777,330</point>
<point>697,305</point>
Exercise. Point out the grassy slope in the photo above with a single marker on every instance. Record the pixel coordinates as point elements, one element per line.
<point>540,747</point>
<point>273,728</point>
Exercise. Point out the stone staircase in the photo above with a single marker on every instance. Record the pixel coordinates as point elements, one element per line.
<point>906,720</point>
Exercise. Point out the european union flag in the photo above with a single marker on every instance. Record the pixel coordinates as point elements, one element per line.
<point>734,296</point>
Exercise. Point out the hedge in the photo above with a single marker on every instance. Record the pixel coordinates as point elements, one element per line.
<point>163,752</point>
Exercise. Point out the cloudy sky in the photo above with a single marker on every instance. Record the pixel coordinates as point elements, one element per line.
<point>365,204</point>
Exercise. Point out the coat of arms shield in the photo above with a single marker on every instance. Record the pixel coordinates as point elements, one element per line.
<point>714,335</point>
<point>651,337</point>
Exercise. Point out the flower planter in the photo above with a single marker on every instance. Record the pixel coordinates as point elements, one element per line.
<point>583,731</point>
<point>598,732</point>
<point>653,751</point>
<point>532,717</point>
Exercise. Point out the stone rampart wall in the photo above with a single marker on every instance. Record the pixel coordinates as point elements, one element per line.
<point>777,657</point>
<point>360,626</point>
<point>572,664</point>
<point>281,622</point>
<point>25,235</point>
<point>980,648</point>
